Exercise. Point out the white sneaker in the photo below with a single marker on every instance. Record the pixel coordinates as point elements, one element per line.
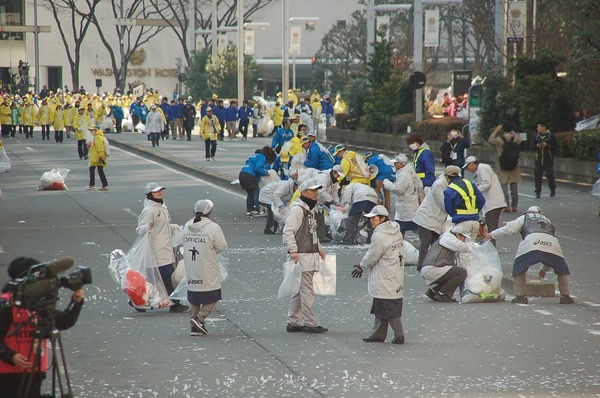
<point>90,188</point>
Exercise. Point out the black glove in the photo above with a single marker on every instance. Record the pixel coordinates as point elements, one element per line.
<point>357,273</point>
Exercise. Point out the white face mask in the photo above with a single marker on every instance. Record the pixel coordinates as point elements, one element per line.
<point>414,146</point>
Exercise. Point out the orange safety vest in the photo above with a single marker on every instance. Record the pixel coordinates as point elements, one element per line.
<point>22,340</point>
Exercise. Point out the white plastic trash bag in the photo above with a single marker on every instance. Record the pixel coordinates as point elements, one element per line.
<point>279,214</point>
<point>143,282</point>
<point>291,280</point>
<point>176,235</point>
<point>5,164</point>
<point>106,124</point>
<point>411,254</point>
<point>596,188</point>
<point>324,281</point>
<point>53,180</point>
<point>337,223</point>
<point>223,267</point>
<point>484,275</point>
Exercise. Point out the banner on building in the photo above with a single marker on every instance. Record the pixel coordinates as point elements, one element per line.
<point>295,35</point>
<point>383,28</point>
<point>249,42</point>
<point>516,21</point>
<point>432,28</point>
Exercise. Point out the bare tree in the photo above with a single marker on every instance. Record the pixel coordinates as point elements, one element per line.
<point>73,19</point>
<point>176,12</point>
<point>130,38</point>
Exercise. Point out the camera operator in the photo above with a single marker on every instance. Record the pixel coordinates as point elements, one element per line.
<point>15,359</point>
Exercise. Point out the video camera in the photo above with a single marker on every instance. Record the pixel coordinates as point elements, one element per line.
<point>37,290</point>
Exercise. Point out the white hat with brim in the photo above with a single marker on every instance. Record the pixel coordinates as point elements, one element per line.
<point>310,184</point>
<point>153,187</point>
<point>401,158</point>
<point>338,169</point>
<point>378,210</point>
<point>459,229</point>
<point>204,206</point>
<point>469,160</point>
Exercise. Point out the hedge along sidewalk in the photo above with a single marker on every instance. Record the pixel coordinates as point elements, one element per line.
<point>567,170</point>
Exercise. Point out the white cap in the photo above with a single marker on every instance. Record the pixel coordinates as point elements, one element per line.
<point>534,209</point>
<point>459,229</point>
<point>310,184</point>
<point>378,210</point>
<point>311,133</point>
<point>204,206</point>
<point>153,187</point>
<point>338,169</point>
<point>401,158</point>
<point>469,160</point>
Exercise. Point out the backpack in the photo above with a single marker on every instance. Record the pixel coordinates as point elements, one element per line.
<point>509,158</point>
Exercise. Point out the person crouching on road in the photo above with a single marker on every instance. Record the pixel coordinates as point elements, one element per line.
<point>303,246</point>
<point>539,245</point>
<point>439,270</point>
<point>386,276</point>
<point>203,241</point>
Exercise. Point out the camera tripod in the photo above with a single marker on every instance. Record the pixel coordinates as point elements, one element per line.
<point>47,330</point>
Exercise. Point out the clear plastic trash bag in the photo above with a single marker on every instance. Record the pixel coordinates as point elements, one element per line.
<point>291,280</point>
<point>53,180</point>
<point>5,164</point>
<point>484,275</point>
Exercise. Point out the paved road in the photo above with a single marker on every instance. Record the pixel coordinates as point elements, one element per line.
<point>504,350</point>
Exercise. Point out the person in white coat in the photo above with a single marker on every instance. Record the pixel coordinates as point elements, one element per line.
<point>358,198</point>
<point>155,222</point>
<point>155,125</point>
<point>303,247</point>
<point>487,181</point>
<point>384,263</point>
<point>539,245</point>
<point>440,270</point>
<point>328,195</point>
<point>407,189</point>
<point>203,240</point>
<point>430,217</point>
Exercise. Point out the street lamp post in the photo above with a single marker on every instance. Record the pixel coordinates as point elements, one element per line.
<point>310,23</point>
<point>240,34</point>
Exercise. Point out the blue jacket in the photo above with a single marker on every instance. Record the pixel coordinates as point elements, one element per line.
<point>282,136</point>
<point>143,112</point>
<point>219,112</point>
<point>135,110</point>
<point>179,111</point>
<point>168,110</point>
<point>327,108</point>
<point>117,112</point>
<point>203,110</point>
<point>317,159</point>
<point>245,112</point>
<point>231,114</point>
<point>385,170</point>
<point>257,166</point>
<point>424,165</point>
<point>279,166</point>
<point>454,203</point>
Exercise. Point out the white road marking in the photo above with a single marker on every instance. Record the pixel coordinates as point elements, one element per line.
<point>544,312</point>
<point>239,195</point>
<point>128,211</point>
<point>594,332</point>
<point>591,304</point>
<point>29,148</point>
<point>569,322</point>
